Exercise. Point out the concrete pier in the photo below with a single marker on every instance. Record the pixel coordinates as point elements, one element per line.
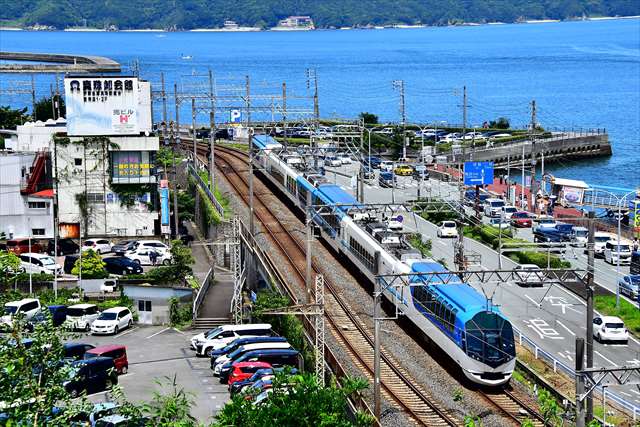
<point>60,63</point>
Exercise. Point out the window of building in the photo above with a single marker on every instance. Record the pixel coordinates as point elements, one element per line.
<point>38,205</point>
<point>95,197</point>
<point>77,161</point>
<point>37,231</point>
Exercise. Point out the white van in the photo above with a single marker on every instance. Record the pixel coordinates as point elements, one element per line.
<point>81,316</point>
<point>221,360</point>
<point>600,239</point>
<point>614,250</point>
<point>493,207</point>
<point>27,307</point>
<point>222,335</point>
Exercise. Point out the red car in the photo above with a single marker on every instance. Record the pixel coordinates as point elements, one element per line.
<point>521,219</point>
<point>243,370</point>
<point>21,246</point>
<point>117,352</point>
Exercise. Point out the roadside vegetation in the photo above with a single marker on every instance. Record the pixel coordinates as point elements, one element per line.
<point>629,313</point>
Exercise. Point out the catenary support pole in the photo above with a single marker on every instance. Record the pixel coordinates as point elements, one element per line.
<point>173,162</point>
<point>193,130</point>
<point>308,284</point>
<point>212,134</point>
<point>589,325</point>
<point>376,349</point>
<point>580,403</point>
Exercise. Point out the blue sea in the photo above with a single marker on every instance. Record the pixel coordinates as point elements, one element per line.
<point>582,74</point>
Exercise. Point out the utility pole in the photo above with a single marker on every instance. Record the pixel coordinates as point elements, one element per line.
<point>212,135</point>
<point>193,128</point>
<point>247,86</point>
<point>399,85</point>
<point>284,113</point>
<point>580,403</point>
<point>464,112</point>
<point>33,97</point>
<point>53,102</point>
<point>175,174</point>
<point>376,347</point>
<point>164,111</point>
<point>57,101</point>
<point>460,244</point>
<point>252,229</point>
<point>590,284</point>
<point>534,190</point>
<point>307,297</point>
<point>55,211</point>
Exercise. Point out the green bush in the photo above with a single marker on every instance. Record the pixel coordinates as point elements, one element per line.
<point>179,314</point>
<point>539,259</point>
<point>92,266</point>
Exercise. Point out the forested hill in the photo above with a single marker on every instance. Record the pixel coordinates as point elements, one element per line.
<point>188,14</point>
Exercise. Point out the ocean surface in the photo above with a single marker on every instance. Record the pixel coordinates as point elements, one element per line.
<point>581,74</point>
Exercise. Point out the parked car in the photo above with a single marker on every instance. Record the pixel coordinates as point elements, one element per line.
<point>546,222</point>
<point>238,385</point>
<point>36,263</point>
<point>403,170</point>
<point>112,321</point>
<point>142,256</point>
<point>123,246</point>
<point>20,246</point>
<point>528,275</point>
<point>65,246</point>
<point>245,370</point>
<point>69,263</point>
<point>509,211</point>
<point>27,307</point>
<point>156,245</point>
<point>609,328</point>
<point>101,246</point>
<point>521,219</point>
<point>117,352</point>
<point>277,358</point>
<point>448,229</point>
<point>98,413</point>
<point>91,376</point>
<point>119,420</point>
<point>500,223</point>
<point>630,285</point>
<point>617,251</point>
<point>493,207</point>
<point>600,239</point>
<point>233,345</point>
<point>81,316</point>
<point>205,343</point>
<point>238,352</point>
<point>345,159</point>
<point>76,350</point>
<point>122,265</point>
<point>58,314</point>
<point>332,161</point>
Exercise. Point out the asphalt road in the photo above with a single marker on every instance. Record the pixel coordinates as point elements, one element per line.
<point>156,352</point>
<point>550,316</point>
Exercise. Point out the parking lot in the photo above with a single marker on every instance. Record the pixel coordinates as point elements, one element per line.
<point>155,352</point>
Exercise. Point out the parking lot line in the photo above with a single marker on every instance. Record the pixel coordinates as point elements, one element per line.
<point>158,333</point>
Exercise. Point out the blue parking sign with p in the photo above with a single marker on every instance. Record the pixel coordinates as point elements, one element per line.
<point>235,116</point>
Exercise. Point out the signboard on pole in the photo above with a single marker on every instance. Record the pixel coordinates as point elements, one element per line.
<point>164,207</point>
<point>478,173</point>
<point>235,116</point>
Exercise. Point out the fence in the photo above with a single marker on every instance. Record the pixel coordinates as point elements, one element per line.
<point>204,287</point>
<point>216,204</point>
<point>541,354</point>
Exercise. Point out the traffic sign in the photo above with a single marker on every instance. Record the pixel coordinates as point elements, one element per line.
<point>235,116</point>
<point>478,173</point>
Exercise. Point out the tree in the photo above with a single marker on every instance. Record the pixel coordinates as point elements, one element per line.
<point>9,266</point>
<point>369,118</point>
<point>92,266</point>
<point>500,123</point>
<point>44,109</point>
<point>181,259</point>
<point>11,118</point>
<point>295,400</point>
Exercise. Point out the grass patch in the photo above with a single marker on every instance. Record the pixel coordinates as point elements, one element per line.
<point>242,147</point>
<point>415,240</point>
<point>629,313</point>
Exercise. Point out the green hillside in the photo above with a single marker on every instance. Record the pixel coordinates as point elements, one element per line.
<point>188,14</point>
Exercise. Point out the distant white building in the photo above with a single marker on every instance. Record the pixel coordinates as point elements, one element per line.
<point>295,23</point>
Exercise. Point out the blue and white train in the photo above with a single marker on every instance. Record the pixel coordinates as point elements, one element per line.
<point>453,315</point>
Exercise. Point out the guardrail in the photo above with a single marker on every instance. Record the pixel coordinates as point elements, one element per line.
<point>216,204</point>
<point>541,354</point>
<point>204,287</point>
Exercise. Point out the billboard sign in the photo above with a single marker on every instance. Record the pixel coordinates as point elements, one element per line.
<point>164,206</point>
<point>235,116</point>
<point>478,173</point>
<point>572,194</point>
<point>103,106</point>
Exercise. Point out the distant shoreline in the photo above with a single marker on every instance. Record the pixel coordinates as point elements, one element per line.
<point>280,29</point>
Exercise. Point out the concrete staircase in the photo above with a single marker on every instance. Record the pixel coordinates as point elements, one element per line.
<point>210,322</point>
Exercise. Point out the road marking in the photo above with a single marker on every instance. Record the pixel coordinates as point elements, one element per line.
<point>626,394</point>
<point>562,303</point>
<point>441,242</point>
<point>178,331</point>
<point>537,304</point>
<point>634,362</point>
<point>542,328</point>
<point>128,332</point>
<point>606,360</point>
<point>158,333</point>
<point>566,354</point>
<point>635,391</point>
<point>567,329</point>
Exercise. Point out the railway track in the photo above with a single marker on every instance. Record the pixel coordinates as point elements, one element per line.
<point>346,327</point>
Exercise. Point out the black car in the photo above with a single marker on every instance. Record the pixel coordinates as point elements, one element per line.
<point>122,265</point>
<point>69,262</point>
<point>126,245</point>
<point>91,376</point>
<point>58,315</point>
<point>76,350</point>
<point>65,246</point>
<point>276,357</point>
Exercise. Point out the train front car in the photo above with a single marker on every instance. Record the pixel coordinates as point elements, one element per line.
<point>471,331</point>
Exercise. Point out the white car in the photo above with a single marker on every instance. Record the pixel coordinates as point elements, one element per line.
<point>101,246</point>
<point>142,256</point>
<point>39,263</point>
<point>546,222</point>
<point>332,161</point>
<point>493,207</point>
<point>27,307</point>
<point>345,159</point>
<point>81,316</point>
<point>156,245</point>
<point>448,229</point>
<point>615,251</point>
<point>508,211</point>
<point>609,328</point>
<point>219,337</point>
<point>528,275</point>
<point>394,224</point>
<point>500,223</point>
<point>112,321</point>
<point>386,166</point>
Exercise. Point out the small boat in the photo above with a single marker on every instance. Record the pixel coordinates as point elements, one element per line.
<point>187,57</point>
